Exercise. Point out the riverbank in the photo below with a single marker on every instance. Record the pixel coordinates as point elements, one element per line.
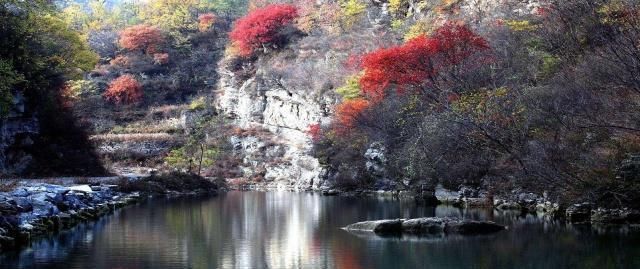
<point>32,209</point>
<point>517,201</point>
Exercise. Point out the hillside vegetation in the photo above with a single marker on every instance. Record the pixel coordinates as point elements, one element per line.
<point>540,96</point>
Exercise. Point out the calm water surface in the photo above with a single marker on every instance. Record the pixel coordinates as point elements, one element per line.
<point>302,230</point>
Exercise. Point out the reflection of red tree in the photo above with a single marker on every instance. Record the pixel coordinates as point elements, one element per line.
<point>345,258</point>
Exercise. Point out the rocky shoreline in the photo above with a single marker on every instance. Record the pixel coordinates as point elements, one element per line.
<point>35,209</point>
<point>466,197</point>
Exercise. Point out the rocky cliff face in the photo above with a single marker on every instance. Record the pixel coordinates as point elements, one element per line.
<point>273,112</point>
<point>272,122</point>
<point>38,142</point>
<point>16,132</point>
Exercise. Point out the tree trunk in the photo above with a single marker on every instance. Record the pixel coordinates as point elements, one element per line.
<point>201,157</point>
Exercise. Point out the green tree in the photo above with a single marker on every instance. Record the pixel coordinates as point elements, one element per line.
<point>38,51</point>
<point>8,79</point>
<point>200,150</point>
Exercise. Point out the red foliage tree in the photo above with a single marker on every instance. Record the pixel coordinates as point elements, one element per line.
<point>205,21</point>
<point>348,112</point>
<point>141,37</point>
<point>124,90</point>
<point>315,131</point>
<point>421,63</point>
<point>262,26</point>
<point>161,58</point>
<point>120,60</point>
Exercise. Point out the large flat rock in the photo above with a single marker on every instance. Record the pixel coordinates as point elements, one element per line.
<point>426,226</point>
<point>382,227</point>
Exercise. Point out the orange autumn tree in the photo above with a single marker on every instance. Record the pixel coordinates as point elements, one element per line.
<point>262,27</point>
<point>205,21</point>
<point>348,112</point>
<point>124,90</point>
<point>141,37</point>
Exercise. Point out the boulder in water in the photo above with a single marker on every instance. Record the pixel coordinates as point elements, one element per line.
<point>380,227</point>
<point>426,226</point>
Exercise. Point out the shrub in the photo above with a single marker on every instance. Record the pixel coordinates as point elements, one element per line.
<point>262,27</point>
<point>519,26</point>
<point>351,89</point>
<point>349,110</point>
<point>198,104</point>
<point>420,28</point>
<point>124,90</point>
<point>141,37</point>
<point>161,58</point>
<point>120,60</point>
<point>351,10</point>
<point>78,88</point>
<point>315,131</point>
<point>205,21</point>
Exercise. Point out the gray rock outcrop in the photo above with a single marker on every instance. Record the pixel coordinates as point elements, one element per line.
<point>426,226</point>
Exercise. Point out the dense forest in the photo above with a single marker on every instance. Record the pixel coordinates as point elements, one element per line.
<point>497,95</point>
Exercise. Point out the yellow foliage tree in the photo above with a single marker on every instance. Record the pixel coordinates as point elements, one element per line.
<point>97,16</point>
<point>520,26</point>
<point>417,29</point>
<point>351,11</point>
<point>351,89</point>
<point>397,6</point>
<point>171,15</point>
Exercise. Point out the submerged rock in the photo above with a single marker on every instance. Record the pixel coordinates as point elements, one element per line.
<point>380,227</point>
<point>615,216</point>
<point>509,206</point>
<point>579,213</point>
<point>331,192</point>
<point>426,226</point>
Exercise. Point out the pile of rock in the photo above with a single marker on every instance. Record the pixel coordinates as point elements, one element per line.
<point>528,202</point>
<point>579,213</point>
<point>37,209</point>
<point>426,226</point>
<point>585,213</point>
<point>615,216</point>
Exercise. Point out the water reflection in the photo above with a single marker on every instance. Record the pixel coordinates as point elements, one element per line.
<point>301,230</point>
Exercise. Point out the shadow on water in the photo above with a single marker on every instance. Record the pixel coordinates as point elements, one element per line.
<point>303,230</point>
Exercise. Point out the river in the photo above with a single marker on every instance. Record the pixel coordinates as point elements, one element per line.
<point>302,230</point>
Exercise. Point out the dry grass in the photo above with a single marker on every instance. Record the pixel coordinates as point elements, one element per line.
<point>170,125</point>
<point>254,131</point>
<point>168,110</point>
<point>135,137</point>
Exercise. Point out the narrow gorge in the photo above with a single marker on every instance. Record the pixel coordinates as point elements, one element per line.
<point>319,134</point>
